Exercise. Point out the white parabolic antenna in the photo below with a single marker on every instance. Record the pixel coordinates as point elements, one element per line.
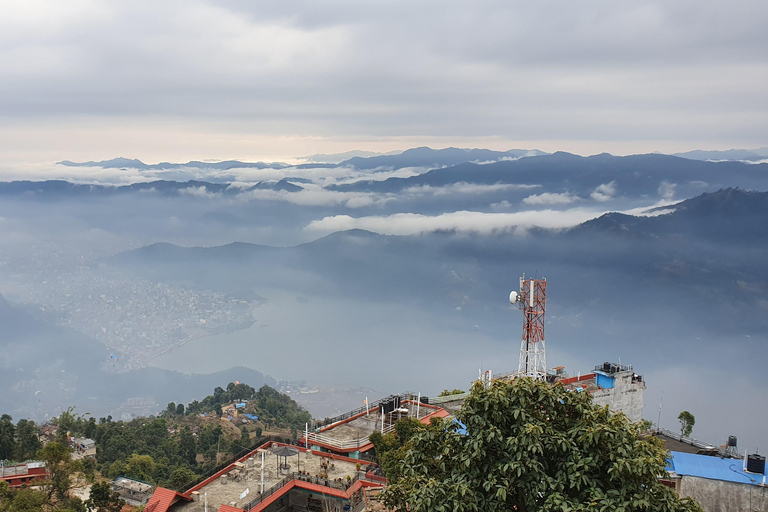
<point>513,297</point>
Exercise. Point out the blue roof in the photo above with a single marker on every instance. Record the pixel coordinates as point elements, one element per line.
<point>240,405</point>
<point>251,416</point>
<point>714,468</point>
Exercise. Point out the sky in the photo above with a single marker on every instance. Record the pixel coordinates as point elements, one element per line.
<point>197,79</point>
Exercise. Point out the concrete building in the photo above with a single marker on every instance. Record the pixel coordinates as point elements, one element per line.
<point>84,447</point>
<point>614,385</point>
<point>611,384</point>
<point>134,492</point>
<point>23,474</point>
<point>718,484</point>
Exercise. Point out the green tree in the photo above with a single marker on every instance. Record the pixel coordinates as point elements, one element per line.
<point>449,392</point>
<point>70,421</point>
<point>27,442</point>
<point>7,437</point>
<point>171,409</point>
<point>180,410</point>
<point>25,500</point>
<point>140,467</point>
<point>687,421</point>
<point>182,478</point>
<point>258,433</point>
<point>532,447</point>
<point>63,472</point>
<point>391,447</point>
<point>90,428</point>
<point>187,448</point>
<point>104,499</point>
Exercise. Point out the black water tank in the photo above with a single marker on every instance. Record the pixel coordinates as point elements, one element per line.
<point>731,440</point>
<point>756,464</point>
<point>424,400</point>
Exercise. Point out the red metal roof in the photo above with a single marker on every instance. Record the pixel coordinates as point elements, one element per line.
<point>162,499</point>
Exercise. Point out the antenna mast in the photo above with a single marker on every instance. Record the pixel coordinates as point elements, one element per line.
<point>532,300</point>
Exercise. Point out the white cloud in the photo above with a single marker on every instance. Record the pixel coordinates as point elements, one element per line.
<point>667,190</point>
<point>550,198</point>
<point>604,192</point>
<point>468,221</point>
<point>200,191</point>
<point>314,195</point>
<point>462,188</point>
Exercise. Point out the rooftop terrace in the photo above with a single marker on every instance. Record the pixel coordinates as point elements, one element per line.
<point>352,434</point>
<point>240,484</point>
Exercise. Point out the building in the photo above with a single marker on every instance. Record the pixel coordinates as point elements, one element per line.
<point>718,484</point>
<point>134,492</point>
<point>273,478</point>
<point>348,434</point>
<point>84,447</point>
<point>614,385</point>
<point>23,474</point>
<point>611,384</point>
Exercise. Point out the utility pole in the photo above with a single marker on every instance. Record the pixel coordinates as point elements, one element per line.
<point>658,422</point>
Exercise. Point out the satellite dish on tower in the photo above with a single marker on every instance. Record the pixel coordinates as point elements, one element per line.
<point>513,297</point>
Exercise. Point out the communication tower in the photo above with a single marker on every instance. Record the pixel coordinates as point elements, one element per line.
<point>532,299</point>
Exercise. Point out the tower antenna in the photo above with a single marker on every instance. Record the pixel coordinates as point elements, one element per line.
<point>532,300</point>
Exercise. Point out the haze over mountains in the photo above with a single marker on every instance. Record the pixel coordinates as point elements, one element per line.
<point>396,263</point>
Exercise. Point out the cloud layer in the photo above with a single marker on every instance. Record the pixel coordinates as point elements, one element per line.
<point>233,78</point>
<point>467,221</point>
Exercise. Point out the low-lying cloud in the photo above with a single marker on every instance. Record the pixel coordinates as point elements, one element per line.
<point>550,198</point>
<point>604,192</point>
<point>467,221</point>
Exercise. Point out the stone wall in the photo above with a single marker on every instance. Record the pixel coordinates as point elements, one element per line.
<point>720,496</point>
<point>625,396</point>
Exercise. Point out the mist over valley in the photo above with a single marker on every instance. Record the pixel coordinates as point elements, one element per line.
<point>376,275</point>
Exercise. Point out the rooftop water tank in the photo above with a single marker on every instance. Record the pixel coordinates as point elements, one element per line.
<point>731,440</point>
<point>756,464</point>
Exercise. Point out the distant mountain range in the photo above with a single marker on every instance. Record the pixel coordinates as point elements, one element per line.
<point>415,157</point>
<point>729,154</point>
<point>132,163</point>
<point>634,176</point>
<point>435,158</point>
<point>65,188</point>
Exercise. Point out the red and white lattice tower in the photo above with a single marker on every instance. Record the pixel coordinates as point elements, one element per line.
<point>532,300</point>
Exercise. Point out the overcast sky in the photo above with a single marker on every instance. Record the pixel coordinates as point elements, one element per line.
<point>177,80</point>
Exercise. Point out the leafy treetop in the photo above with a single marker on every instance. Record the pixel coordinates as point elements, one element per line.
<point>687,421</point>
<point>532,447</point>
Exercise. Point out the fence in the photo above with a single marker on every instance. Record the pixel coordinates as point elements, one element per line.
<point>449,398</point>
<point>345,445</point>
<point>688,440</point>
<point>371,406</point>
<point>245,451</point>
<point>331,484</point>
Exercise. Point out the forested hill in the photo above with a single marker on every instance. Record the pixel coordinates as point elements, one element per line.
<point>179,446</point>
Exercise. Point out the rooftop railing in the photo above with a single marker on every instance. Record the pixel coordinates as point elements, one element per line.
<point>343,485</point>
<point>371,406</point>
